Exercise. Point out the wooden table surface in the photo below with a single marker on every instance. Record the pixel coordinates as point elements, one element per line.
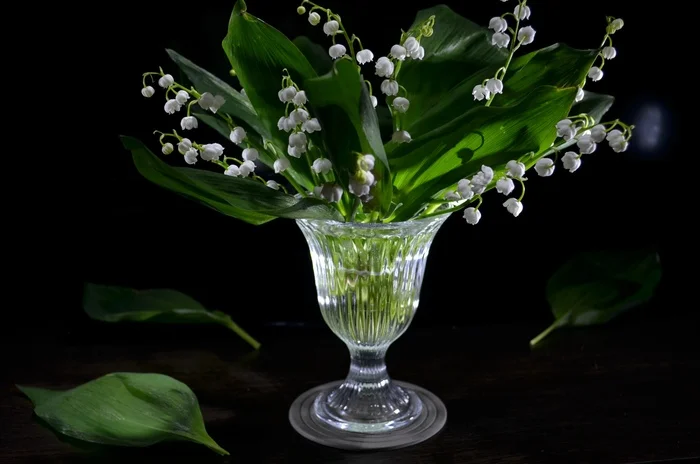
<point>624,393</point>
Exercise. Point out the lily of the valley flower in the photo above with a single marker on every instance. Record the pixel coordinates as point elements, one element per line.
<point>384,67</point>
<point>297,139</point>
<point>331,27</point>
<point>411,45</point>
<point>212,151</point>
<point>571,161</point>
<point>494,86</point>
<point>401,136</point>
<point>390,87</point>
<point>336,51</point>
<point>232,171</point>
<point>513,206</point>
<point>148,91</point>
<point>296,151</point>
<point>246,168</point>
<point>500,40</point>
<point>172,106</point>
<point>281,165</point>
<point>332,193</point>
<point>191,156</point>
<point>615,26</point>
<point>206,100</point>
<point>472,216</point>
<point>311,126</point>
<point>398,52</point>
<point>250,154</point>
<point>526,35</point>
<point>580,94</point>
<point>272,184</point>
<point>505,186</point>
<point>480,92</point>
<point>364,56</point>
<point>617,141</point>
<point>300,98</point>
<point>287,95</point>
<point>465,189</point>
<point>481,180</point>
<point>189,123</point>
<point>286,124</point>
<point>595,73</point>
<point>401,104</point>
<point>238,134</point>
<point>598,133</point>
<point>586,143</point>
<point>452,196</point>
<point>322,166</point>
<point>498,24</point>
<point>167,148</point>
<point>182,97</point>
<point>566,129</point>
<point>166,81</point>
<point>418,54</point>
<point>299,115</point>
<point>314,18</point>
<point>184,145</point>
<point>522,13</point>
<point>374,101</point>
<point>367,162</point>
<point>516,169</point>
<point>544,167</point>
<point>609,53</point>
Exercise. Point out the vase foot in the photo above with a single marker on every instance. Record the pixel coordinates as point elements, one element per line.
<point>430,420</point>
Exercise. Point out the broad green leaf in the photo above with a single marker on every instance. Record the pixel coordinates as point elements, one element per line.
<point>124,409</point>
<point>595,105</point>
<point>120,304</point>
<point>259,53</point>
<point>489,136</point>
<point>244,199</point>
<point>316,54</point>
<point>595,287</point>
<point>341,101</point>
<point>236,104</point>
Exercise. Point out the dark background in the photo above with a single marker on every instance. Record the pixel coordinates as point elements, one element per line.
<point>129,232</point>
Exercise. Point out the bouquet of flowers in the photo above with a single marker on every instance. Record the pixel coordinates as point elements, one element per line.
<point>335,132</point>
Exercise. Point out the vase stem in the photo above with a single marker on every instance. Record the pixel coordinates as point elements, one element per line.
<point>367,370</point>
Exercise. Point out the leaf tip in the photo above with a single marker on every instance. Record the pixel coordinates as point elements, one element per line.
<point>240,7</point>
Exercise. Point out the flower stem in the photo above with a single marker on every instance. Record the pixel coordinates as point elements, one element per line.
<point>546,332</point>
<point>513,48</point>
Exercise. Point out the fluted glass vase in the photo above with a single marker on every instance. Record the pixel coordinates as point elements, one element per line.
<point>368,280</point>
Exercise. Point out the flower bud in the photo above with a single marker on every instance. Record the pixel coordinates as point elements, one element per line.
<point>314,18</point>
<point>148,91</point>
<point>615,26</point>
<point>301,10</point>
<point>167,148</point>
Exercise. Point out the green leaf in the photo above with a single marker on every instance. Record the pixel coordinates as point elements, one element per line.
<point>316,54</point>
<point>489,136</point>
<point>595,287</point>
<point>236,104</point>
<point>341,101</point>
<point>124,409</point>
<point>245,199</point>
<point>119,304</point>
<point>259,53</point>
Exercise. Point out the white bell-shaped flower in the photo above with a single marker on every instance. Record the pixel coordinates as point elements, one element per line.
<point>513,206</point>
<point>148,91</point>
<point>314,18</point>
<point>191,156</point>
<point>526,35</point>
<point>398,52</point>
<point>364,56</point>
<point>516,169</point>
<point>481,93</point>
<point>332,193</point>
<point>571,161</point>
<point>481,180</point>
<point>390,87</point>
<point>300,98</point>
<point>212,151</point>
<point>384,67</point>
<point>296,152</point>
<point>505,186</point>
<point>250,154</point>
<point>494,86</point>
<point>167,148</point>
<point>189,123</point>
<point>281,165</point>
<point>522,13</point>
<point>217,103</point>
<point>374,101</point>
<point>182,97</point>
<point>401,104</point>
<point>272,184</point>
<point>172,106</point>
<point>287,94</point>
<point>246,168</point>
<point>411,45</point>
<point>232,171</point>
<point>166,81</point>
<point>299,116</point>
<point>619,144</point>
<point>322,166</point>
<point>184,145</point>
<point>401,136</point>
<point>472,216</point>
<point>615,26</point>
<point>598,133</point>
<point>206,100</point>
<point>609,53</point>
<point>286,124</point>
<point>311,126</point>
<point>452,196</point>
<point>586,144</point>
<point>500,40</point>
<point>331,27</point>
<point>336,51</point>
<point>238,135</point>
<point>465,189</point>
<point>613,135</point>
<point>297,139</point>
<point>358,187</point>
<point>566,129</point>
<point>367,162</point>
<point>498,24</point>
<point>580,94</point>
<point>418,54</point>
<point>595,73</point>
<point>544,167</point>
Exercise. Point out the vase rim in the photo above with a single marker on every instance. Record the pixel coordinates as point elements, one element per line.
<point>376,225</point>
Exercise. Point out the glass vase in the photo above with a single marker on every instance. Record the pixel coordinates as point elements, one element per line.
<point>368,281</point>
